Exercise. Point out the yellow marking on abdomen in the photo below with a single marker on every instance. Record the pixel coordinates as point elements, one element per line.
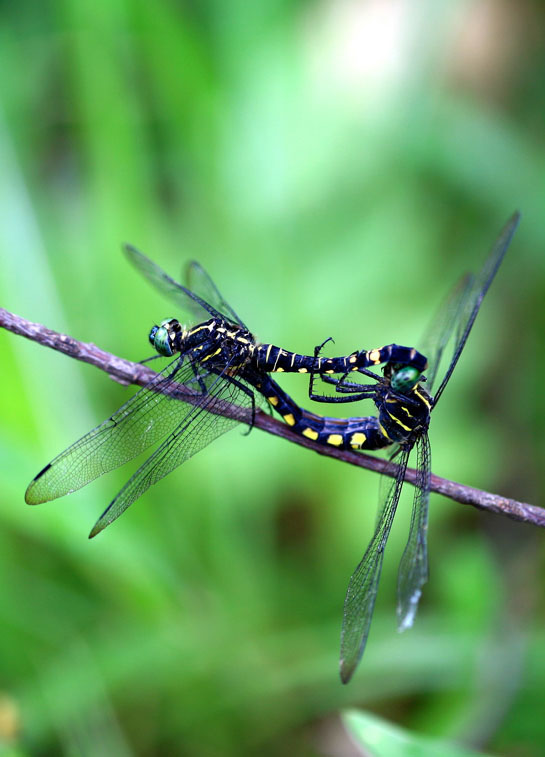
<point>302,370</point>
<point>310,433</point>
<point>374,356</point>
<point>357,439</point>
<point>335,439</point>
<point>290,420</point>
<point>273,400</point>
<point>276,362</point>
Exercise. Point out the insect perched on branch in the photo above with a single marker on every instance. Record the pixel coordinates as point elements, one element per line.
<point>219,374</point>
<point>403,420</point>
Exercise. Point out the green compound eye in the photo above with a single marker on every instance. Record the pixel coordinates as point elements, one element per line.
<point>159,338</point>
<point>404,379</point>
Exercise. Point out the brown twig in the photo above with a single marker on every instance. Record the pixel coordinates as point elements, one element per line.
<point>126,373</point>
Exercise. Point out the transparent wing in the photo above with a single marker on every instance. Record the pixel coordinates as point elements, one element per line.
<point>470,300</point>
<point>362,587</point>
<point>200,425</point>
<point>413,568</point>
<point>200,282</point>
<point>142,421</point>
<point>196,307</point>
<point>443,326</point>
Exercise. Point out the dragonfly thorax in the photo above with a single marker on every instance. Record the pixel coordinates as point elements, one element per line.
<point>402,415</point>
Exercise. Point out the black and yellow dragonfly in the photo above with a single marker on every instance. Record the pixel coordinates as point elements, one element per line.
<point>403,420</point>
<point>219,373</point>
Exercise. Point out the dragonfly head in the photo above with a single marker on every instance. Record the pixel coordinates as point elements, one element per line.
<point>403,378</point>
<point>163,337</point>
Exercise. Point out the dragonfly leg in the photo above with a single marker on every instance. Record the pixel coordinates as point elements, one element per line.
<point>355,390</point>
<point>199,378</point>
<point>149,359</point>
<point>317,350</point>
<point>248,393</point>
<point>368,393</point>
<point>359,391</point>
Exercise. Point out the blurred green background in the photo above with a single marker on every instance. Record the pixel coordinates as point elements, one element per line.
<point>335,166</point>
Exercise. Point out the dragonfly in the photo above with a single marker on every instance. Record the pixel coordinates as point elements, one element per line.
<point>216,379</point>
<point>404,418</point>
<point>220,373</point>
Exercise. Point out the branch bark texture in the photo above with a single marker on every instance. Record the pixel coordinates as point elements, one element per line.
<point>126,372</point>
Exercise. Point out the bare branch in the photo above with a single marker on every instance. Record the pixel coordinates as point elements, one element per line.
<point>126,372</point>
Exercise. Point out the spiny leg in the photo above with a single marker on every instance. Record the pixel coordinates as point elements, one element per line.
<point>149,359</point>
<point>341,385</point>
<point>249,393</point>
<point>199,378</point>
<point>314,371</point>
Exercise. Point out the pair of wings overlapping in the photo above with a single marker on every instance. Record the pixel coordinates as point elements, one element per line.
<point>152,416</point>
<point>454,321</point>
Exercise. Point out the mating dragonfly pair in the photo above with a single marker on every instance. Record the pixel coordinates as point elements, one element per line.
<point>219,374</point>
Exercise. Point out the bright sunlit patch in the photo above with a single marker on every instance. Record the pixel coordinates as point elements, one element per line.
<point>363,47</point>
